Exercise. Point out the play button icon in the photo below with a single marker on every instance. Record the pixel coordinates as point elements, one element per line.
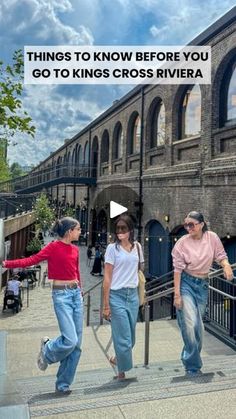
<point>116,209</point>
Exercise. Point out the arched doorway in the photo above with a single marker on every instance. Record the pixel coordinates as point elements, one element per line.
<point>102,228</point>
<point>230,248</point>
<point>175,235</point>
<point>158,246</point>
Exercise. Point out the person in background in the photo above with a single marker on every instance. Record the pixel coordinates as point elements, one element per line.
<point>121,300</point>
<point>89,254</point>
<point>13,285</point>
<point>193,256</point>
<point>97,265</point>
<point>63,269</point>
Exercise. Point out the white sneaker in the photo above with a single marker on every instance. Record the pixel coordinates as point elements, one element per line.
<point>41,361</point>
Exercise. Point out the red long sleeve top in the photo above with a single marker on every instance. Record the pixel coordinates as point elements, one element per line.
<point>62,258</point>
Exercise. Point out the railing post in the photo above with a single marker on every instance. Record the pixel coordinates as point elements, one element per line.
<point>88,310</point>
<point>147,334</point>
<point>27,294</point>
<point>232,326</point>
<point>101,307</point>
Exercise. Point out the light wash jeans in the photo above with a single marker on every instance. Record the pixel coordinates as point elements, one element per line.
<point>194,293</point>
<point>66,349</point>
<point>124,305</point>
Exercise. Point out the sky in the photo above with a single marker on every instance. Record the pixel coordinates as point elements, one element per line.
<point>61,111</point>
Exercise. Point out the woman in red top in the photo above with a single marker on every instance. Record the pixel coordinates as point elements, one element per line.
<point>63,269</point>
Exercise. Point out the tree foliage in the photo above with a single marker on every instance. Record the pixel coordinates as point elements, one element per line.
<point>44,214</point>
<point>13,119</point>
<point>34,245</point>
<point>16,170</point>
<point>4,168</point>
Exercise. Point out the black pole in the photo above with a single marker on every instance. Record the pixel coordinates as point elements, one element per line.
<point>140,201</point>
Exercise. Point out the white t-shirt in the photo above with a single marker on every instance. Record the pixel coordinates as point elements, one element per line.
<point>13,285</point>
<point>125,265</point>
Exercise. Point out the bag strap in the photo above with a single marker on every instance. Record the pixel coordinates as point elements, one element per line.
<point>138,249</point>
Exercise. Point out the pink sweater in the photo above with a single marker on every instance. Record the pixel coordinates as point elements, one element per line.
<point>197,256</point>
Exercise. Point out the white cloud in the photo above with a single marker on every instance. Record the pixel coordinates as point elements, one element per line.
<point>56,118</point>
<point>39,21</point>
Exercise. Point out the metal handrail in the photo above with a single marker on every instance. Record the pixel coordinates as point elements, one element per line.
<point>230,297</point>
<point>89,302</point>
<point>216,272</point>
<point>158,278</point>
<point>160,294</point>
<point>160,286</point>
<point>164,293</point>
<point>93,287</point>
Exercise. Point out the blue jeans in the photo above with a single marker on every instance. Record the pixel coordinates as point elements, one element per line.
<point>66,349</point>
<point>194,293</point>
<point>124,305</point>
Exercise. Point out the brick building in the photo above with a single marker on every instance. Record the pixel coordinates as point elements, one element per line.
<point>161,151</point>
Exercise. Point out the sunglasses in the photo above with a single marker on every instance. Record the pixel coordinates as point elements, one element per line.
<point>190,225</point>
<point>122,229</point>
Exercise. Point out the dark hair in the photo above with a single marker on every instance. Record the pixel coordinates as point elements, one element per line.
<point>63,225</point>
<point>199,217</point>
<point>129,222</point>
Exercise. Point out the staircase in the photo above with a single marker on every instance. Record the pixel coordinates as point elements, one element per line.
<point>96,389</point>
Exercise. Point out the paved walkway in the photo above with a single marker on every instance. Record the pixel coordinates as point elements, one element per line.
<point>26,328</point>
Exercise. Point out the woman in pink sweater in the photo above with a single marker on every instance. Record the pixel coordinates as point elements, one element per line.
<point>193,255</point>
<point>63,269</point>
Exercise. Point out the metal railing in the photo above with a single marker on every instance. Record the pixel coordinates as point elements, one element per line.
<point>221,309</point>
<point>48,175</point>
<point>88,293</point>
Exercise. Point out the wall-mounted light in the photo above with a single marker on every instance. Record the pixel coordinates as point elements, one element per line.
<point>228,236</point>
<point>146,239</point>
<point>167,218</point>
<point>160,239</point>
<point>175,239</point>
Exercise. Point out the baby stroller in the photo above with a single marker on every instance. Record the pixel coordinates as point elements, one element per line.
<point>12,301</point>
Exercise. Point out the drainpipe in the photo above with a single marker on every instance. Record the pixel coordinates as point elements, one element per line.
<point>140,199</point>
<point>88,189</point>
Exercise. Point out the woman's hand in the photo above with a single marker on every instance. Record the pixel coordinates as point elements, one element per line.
<point>178,302</point>
<point>106,313</point>
<point>228,273</point>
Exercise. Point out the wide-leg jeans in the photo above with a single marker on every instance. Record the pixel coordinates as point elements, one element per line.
<point>66,349</point>
<point>194,293</point>
<point>124,305</point>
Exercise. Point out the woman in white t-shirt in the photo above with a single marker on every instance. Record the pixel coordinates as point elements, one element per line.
<point>121,301</point>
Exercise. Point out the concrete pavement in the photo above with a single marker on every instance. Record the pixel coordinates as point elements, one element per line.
<point>25,329</point>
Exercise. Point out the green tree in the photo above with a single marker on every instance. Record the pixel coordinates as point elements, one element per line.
<point>4,168</point>
<point>13,118</point>
<point>69,212</point>
<point>16,170</point>
<point>34,245</point>
<point>44,214</point>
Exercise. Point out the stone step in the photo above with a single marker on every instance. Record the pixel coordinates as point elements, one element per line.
<point>97,388</point>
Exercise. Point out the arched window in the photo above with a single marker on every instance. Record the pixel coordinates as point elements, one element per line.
<point>231,97</point>
<point>156,124</point>
<point>80,156</point>
<point>136,135</point>
<point>105,147</point>
<point>191,112</point>
<point>118,138</point>
<point>86,154</point>
<point>94,158</point>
